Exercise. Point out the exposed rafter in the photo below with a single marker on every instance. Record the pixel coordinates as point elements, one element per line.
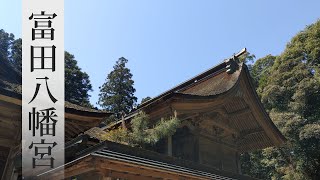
<point>240,112</point>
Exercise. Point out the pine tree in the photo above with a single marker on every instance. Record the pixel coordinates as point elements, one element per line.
<point>117,93</point>
<point>77,83</point>
<point>142,133</point>
<point>16,54</point>
<point>6,41</point>
<point>11,49</point>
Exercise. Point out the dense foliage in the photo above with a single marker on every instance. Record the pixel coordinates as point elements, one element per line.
<point>117,93</point>
<point>289,87</point>
<point>142,133</point>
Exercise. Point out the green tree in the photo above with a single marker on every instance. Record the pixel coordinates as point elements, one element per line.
<point>7,71</point>
<point>6,41</point>
<point>289,86</point>
<point>247,58</point>
<point>117,93</point>
<point>260,72</point>
<point>16,54</point>
<point>145,99</point>
<point>11,49</point>
<point>253,165</point>
<point>141,132</point>
<point>77,83</point>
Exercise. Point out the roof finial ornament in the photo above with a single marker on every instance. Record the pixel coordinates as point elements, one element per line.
<point>232,63</point>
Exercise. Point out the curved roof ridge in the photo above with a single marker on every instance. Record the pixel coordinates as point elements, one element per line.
<point>218,68</point>
<point>280,138</point>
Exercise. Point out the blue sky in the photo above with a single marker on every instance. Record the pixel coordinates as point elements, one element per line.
<point>169,41</point>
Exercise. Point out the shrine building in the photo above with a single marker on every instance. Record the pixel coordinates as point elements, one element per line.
<point>220,116</point>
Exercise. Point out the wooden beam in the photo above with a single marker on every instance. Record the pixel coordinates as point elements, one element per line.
<point>187,116</point>
<point>219,141</point>
<point>114,165</point>
<point>10,100</point>
<point>69,173</point>
<point>83,166</point>
<point>145,170</point>
<point>8,131</point>
<point>9,107</point>
<point>78,171</point>
<point>128,176</point>
<point>220,122</point>
<point>9,121</point>
<point>82,123</point>
<point>83,118</point>
<point>5,142</point>
<point>11,116</point>
<point>194,107</point>
<point>9,113</point>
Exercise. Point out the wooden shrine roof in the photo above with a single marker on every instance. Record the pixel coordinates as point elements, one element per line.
<point>211,82</point>
<point>228,99</point>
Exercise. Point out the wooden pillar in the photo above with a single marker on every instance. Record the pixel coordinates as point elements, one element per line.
<point>170,145</point>
<point>238,162</point>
